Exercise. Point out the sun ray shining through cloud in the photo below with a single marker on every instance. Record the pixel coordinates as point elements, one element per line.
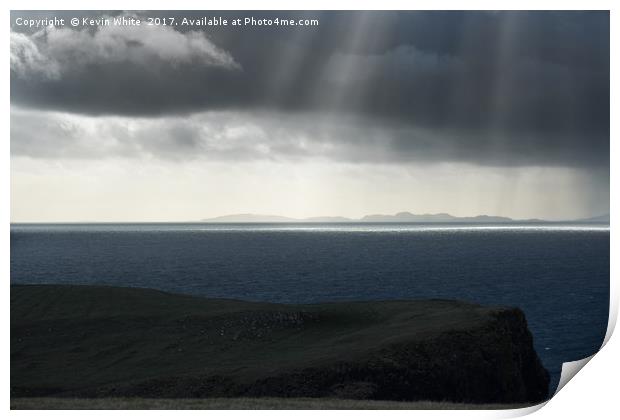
<point>462,112</point>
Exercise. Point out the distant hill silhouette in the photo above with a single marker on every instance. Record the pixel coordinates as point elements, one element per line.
<point>250,218</point>
<point>603,218</point>
<point>436,218</point>
<point>403,217</point>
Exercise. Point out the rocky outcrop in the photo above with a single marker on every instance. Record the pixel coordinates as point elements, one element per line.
<point>493,363</point>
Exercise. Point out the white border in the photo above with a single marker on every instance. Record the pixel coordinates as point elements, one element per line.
<point>592,394</point>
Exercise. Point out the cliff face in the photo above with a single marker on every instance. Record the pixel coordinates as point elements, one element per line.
<point>493,363</point>
<point>165,345</point>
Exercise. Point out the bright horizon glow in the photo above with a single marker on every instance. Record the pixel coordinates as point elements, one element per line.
<point>128,190</point>
<point>319,227</point>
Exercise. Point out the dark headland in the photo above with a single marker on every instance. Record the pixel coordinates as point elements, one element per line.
<point>79,342</point>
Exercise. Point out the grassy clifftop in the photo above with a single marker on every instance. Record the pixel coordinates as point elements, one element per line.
<point>87,341</point>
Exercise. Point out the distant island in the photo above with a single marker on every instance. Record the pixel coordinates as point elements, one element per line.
<point>402,217</point>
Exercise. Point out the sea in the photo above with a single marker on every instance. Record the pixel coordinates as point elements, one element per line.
<point>558,274</point>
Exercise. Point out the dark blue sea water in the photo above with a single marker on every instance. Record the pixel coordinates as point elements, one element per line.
<point>559,275</point>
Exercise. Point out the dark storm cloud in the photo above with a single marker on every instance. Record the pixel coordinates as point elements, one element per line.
<point>507,87</point>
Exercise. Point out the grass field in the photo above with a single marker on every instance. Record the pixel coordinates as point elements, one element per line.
<point>92,342</point>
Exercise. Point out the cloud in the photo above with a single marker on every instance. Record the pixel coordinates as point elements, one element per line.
<point>506,88</point>
<point>27,60</point>
<point>52,54</point>
<point>271,136</point>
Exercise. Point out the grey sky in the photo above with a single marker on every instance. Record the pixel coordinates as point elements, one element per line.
<point>505,92</point>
